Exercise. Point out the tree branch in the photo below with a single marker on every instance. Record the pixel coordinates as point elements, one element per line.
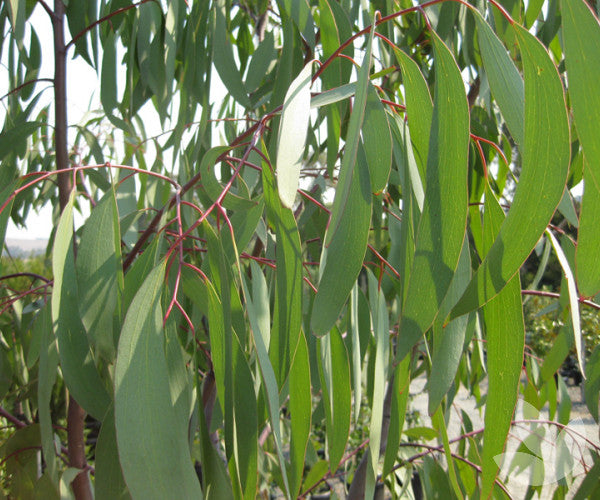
<point>103,19</point>
<point>29,82</point>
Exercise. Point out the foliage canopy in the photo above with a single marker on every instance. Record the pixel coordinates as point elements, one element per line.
<point>257,284</point>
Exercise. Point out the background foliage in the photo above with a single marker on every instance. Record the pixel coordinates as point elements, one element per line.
<point>255,286</point>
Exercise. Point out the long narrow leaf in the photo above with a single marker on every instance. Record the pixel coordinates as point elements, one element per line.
<point>442,225</point>
<point>154,451</point>
<point>77,362</point>
<point>543,176</point>
<point>505,334</point>
<point>581,32</point>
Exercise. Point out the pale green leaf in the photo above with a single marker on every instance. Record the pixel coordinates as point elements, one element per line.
<point>545,166</point>
<point>268,378</point>
<point>581,33</point>
<point>334,371</point>
<point>419,110</point>
<point>287,311</point>
<point>293,128</point>
<point>46,377</point>
<point>346,251</point>
<point>100,276</point>
<point>442,225</point>
<point>376,140</point>
<point>109,482</point>
<point>505,335</point>
<point>76,360</point>
<point>153,451</point>
<point>108,80</point>
<point>223,57</point>
<point>300,407</point>
<point>505,82</point>
<point>573,297</point>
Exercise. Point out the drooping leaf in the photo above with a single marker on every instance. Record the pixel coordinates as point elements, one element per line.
<point>419,109</point>
<point>153,451</point>
<point>581,33</point>
<point>380,321</point>
<point>47,376</point>
<point>543,176</point>
<point>348,169</point>
<point>442,225</point>
<point>300,409</point>
<point>269,380</point>
<point>343,259</point>
<point>109,482</point>
<point>223,57</point>
<point>505,82</point>
<point>293,128</point>
<point>592,383</point>
<point>100,275</point>
<point>108,82</point>
<point>299,11</point>
<point>573,297</point>
<point>287,314</point>
<point>76,360</point>
<point>334,371</point>
<point>398,413</point>
<point>377,141</point>
<point>449,339</point>
<point>262,58</point>
<point>505,336</point>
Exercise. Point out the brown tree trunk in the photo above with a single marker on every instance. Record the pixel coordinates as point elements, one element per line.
<point>76,414</point>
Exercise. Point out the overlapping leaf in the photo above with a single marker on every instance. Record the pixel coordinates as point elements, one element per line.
<point>581,33</point>
<point>153,451</point>
<point>543,176</point>
<point>442,225</point>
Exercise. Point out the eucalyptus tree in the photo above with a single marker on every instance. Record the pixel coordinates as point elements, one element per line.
<point>293,210</point>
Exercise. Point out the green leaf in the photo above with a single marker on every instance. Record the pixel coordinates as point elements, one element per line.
<point>16,10</point>
<point>300,407</point>
<point>154,451</point>
<point>16,135</point>
<point>543,176</point>
<point>334,371</point>
<point>581,33</point>
<point>223,57</point>
<point>505,335</point>
<point>334,95</point>
<point>398,412</point>
<point>76,360</point>
<point>377,140</point>
<point>381,332</point>
<point>246,423</point>
<point>342,261</point>
<point>449,339</point>
<point>573,297</point>
<point>108,82</point>
<point>268,378</point>
<point>293,128</point>
<point>592,383</point>
<point>100,276</point>
<point>356,354</point>
<point>419,109</point>
<point>505,82</point>
<point>261,60</point>
<point>109,482</point>
<point>350,159</point>
<point>46,378</point>
<point>287,314</point>
<point>299,11</point>
<point>442,225</point>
